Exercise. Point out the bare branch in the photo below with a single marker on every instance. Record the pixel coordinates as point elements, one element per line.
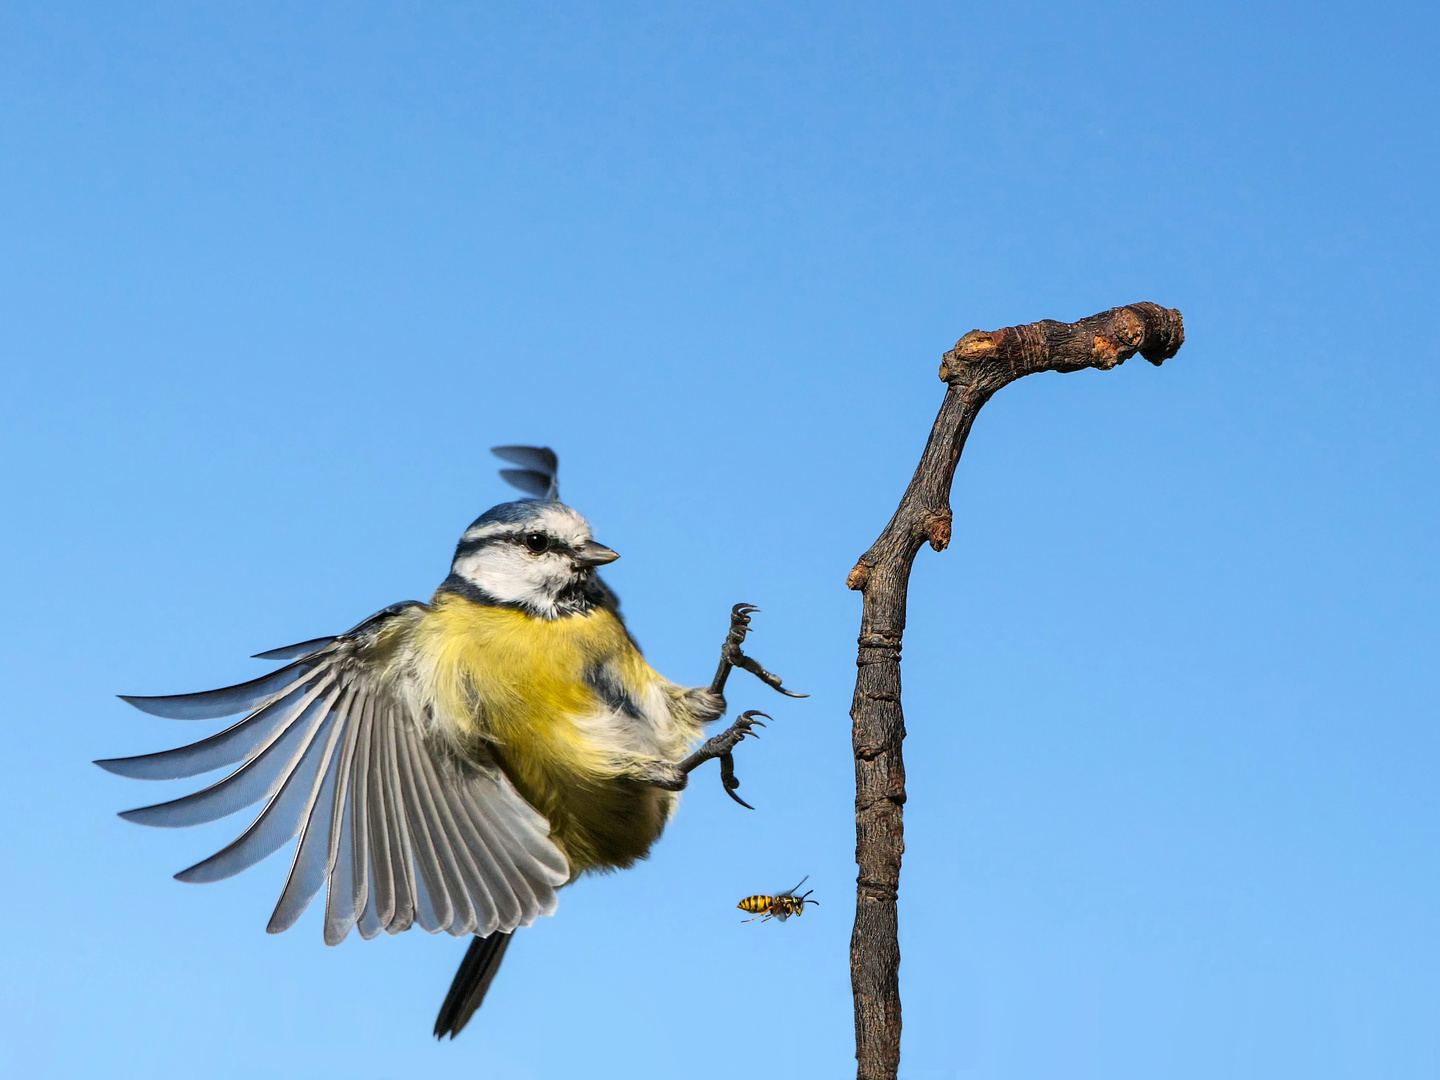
<point>980,364</point>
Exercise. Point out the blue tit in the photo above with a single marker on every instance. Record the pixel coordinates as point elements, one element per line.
<point>453,764</point>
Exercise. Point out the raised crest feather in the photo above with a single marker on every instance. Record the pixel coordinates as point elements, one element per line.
<point>539,471</point>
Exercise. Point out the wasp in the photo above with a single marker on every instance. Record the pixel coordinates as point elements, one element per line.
<point>779,907</point>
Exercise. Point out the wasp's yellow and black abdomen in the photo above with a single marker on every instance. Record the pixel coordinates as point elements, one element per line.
<point>756,904</point>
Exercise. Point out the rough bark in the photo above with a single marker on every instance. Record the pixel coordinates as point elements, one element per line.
<point>980,364</point>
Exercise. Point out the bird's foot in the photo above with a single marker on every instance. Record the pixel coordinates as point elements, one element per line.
<point>722,746</point>
<point>732,656</point>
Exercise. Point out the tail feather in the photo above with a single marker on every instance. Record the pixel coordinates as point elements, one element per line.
<point>467,991</point>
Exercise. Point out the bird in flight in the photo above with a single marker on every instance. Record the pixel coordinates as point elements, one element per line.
<point>452,764</point>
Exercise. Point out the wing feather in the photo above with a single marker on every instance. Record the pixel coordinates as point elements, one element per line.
<point>519,828</point>
<point>236,743</point>
<point>310,868</point>
<point>390,886</point>
<point>401,914</point>
<point>425,914</point>
<point>468,892</point>
<point>372,847</point>
<point>429,868</point>
<point>228,700</point>
<point>298,651</point>
<point>518,898</point>
<point>498,888</point>
<point>346,897</point>
<point>479,904</point>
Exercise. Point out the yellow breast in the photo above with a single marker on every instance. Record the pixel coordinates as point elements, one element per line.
<point>520,681</point>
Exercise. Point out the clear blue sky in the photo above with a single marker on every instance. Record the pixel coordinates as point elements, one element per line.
<point>273,277</point>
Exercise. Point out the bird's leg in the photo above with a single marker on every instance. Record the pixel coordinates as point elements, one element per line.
<point>709,704</point>
<point>721,746</point>
<point>677,777</point>
<point>732,657</point>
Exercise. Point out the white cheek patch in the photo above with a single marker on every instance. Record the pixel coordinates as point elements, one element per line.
<point>499,569</point>
<point>514,576</point>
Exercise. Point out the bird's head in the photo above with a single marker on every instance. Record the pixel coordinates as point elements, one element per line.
<point>536,554</point>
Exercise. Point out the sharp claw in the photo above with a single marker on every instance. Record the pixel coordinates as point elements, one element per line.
<point>729,781</point>
<point>737,798</point>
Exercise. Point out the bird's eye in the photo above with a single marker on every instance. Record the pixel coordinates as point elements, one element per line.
<point>538,543</point>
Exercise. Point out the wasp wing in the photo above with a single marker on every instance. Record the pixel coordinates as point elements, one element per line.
<point>397,824</point>
<point>795,889</point>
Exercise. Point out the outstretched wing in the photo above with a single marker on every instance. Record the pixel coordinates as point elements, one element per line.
<point>539,472</point>
<point>399,826</point>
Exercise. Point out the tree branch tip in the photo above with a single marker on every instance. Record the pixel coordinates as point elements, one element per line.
<point>1168,330</point>
<point>1104,341</point>
<point>858,577</point>
<point>974,346</point>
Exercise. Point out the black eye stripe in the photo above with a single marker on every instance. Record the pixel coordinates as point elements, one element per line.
<point>520,539</point>
<point>469,547</point>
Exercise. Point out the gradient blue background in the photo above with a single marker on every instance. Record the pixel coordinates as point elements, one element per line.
<point>273,277</point>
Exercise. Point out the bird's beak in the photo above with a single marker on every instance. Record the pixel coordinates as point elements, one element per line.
<point>593,554</point>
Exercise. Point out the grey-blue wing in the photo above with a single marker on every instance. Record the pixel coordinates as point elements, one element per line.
<point>397,825</point>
